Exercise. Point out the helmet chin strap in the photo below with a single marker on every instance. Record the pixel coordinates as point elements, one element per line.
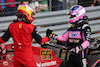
<point>23,19</point>
<point>78,21</point>
<point>19,19</point>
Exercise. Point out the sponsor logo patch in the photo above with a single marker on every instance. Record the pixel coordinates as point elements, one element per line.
<point>44,64</point>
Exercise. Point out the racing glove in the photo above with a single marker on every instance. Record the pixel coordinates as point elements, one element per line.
<point>2,49</point>
<point>48,32</point>
<point>77,49</point>
<point>52,37</point>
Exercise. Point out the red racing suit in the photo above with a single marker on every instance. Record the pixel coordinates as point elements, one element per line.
<point>23,34</point>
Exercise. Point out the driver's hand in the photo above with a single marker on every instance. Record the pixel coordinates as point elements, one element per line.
<point>2,49</point>
<point>77,49</point>
<point>48,32</point>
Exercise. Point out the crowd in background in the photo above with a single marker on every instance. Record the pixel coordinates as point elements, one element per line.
<point>8,9</point>
<point>42,5</point>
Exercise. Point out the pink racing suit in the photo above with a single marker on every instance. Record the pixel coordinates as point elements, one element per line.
<point>77,35</point>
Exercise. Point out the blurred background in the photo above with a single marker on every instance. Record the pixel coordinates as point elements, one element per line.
<point>50,14</point>
<point>9,7</point>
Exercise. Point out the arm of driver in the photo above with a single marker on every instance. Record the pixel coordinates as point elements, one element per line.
<point>63,37</point>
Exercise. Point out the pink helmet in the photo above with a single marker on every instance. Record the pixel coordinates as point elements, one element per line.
<point>76,13</point>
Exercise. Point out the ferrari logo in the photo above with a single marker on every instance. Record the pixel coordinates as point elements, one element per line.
<point>20,25</point>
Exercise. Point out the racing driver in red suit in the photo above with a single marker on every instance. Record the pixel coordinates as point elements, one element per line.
<point>23,32</point>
